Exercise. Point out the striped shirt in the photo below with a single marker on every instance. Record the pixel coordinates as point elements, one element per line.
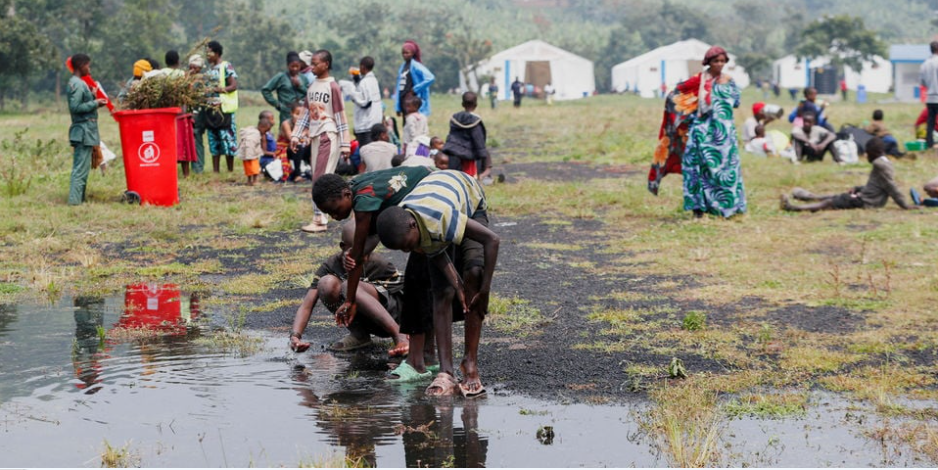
<point>442,203</point>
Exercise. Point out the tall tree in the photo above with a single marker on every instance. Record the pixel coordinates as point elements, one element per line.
<point>24,52</point>
<point>844,39</point>
<point>254,43</point>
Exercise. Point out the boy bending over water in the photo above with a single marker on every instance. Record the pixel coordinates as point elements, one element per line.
<point>445,218</point>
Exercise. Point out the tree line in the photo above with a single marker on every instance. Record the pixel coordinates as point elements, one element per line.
<point>36,36</point>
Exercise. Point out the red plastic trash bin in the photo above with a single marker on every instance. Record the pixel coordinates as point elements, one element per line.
<point>148,140</point>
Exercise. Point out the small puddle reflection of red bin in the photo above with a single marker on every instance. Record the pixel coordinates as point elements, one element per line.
<point>149,144</point>
<point>153,306</point>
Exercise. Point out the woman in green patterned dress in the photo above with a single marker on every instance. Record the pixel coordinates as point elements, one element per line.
<point>713,180</point>
<point>698,139</point>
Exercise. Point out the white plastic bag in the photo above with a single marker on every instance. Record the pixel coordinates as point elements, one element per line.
<point>107,154</point>
<point>847,151</point>
<point>274,170</point>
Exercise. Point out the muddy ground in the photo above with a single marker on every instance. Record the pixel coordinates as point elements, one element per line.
<point>543,363</point>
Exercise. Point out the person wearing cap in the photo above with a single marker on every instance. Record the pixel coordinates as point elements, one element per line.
<point>307,58</point>
<point>141,67</point>
<point>758,117</point>
<point>290,87</point>
<point>413,78</point>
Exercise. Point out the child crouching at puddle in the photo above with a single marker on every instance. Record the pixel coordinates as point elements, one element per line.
<point>380,296</point>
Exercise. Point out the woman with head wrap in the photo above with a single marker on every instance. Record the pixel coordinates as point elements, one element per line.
<point>698,138</point>
<point>413,78</point>
<point>141,67</point>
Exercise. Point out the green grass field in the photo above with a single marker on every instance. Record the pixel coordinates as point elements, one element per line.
<point>880,264</point>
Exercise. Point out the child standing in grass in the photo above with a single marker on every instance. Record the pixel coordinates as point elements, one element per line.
<point>251,148</point>
<point>444,218</point>
<point>465,144</point>
<point>415,126</point>
<point>327,126</point>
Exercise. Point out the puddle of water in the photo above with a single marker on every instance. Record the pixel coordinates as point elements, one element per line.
<point>179,403</point>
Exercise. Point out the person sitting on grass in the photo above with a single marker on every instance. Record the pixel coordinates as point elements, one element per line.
<point>879,188</point>
<point>811,141</point>
<point>878,129</point>
<point>369,194</point>
<point>380,294</point>
<point>444,219</point>
<point>379,152</point>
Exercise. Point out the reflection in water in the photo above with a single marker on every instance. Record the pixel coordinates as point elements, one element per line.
<point>431,438</point>
<point>7,317</point>
<point>89,346</point>
<point>157,307</point>
<point>360,418</point>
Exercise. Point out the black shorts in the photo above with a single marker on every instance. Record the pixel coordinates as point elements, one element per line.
<point>392,302</point>
<point>422,278</point>
<point>847,201</point>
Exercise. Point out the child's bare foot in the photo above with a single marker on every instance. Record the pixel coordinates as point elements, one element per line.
<point>471,385</point>
<point>402,348</point>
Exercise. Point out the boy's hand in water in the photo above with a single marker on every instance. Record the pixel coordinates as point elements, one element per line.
<point>298,345</point>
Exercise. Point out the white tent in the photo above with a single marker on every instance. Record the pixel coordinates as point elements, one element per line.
<point>538,63</point>
<point>669,64</point>
<point>789,72</point>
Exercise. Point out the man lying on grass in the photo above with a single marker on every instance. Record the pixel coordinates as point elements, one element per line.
<point>379,293</point>
<point>445,218</point>
<point>370,194</point>
<point>879,188</point>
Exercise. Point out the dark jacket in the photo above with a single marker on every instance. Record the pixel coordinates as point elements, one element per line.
<point>466,140</point>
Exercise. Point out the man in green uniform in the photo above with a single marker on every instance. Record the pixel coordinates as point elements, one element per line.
<point>83,133</point>
<point>290,87</point>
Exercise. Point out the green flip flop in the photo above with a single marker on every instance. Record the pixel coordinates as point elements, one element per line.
<point>406,373</point>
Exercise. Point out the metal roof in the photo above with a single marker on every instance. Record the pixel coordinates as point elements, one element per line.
<point>909,52</point>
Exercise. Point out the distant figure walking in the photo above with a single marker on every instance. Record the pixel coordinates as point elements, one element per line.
<point>517,91</point>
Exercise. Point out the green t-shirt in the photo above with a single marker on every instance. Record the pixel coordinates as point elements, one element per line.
<point>378,190</point>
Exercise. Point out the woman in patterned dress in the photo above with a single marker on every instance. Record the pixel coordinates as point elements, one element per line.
<point>698,138</point>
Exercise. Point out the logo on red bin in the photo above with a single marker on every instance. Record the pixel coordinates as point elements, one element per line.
<point>149,152</point>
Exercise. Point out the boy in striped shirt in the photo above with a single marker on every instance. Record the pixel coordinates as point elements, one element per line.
<point>444,217</point>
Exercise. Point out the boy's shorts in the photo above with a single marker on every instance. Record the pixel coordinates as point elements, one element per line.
<point>422,278</point>
<point>847,201</point>
<point>252,167</point>
<point>391,302</point>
